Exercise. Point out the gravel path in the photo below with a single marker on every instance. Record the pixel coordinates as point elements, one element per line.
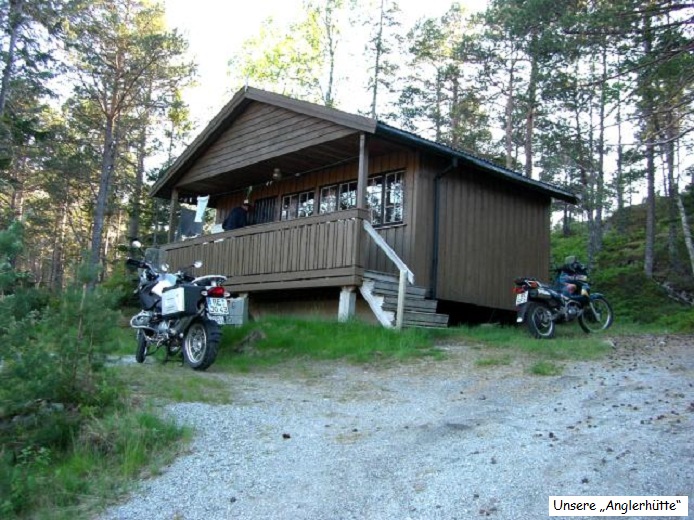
<point>430,440</point>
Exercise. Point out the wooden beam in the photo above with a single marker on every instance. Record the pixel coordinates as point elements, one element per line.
<point>173,215</point>
<point>363,171</point>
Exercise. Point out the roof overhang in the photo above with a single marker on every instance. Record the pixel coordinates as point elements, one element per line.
<point>479,163</point>
<point>325,154</point>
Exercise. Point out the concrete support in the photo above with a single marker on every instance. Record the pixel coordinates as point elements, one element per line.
<point>348,304</point>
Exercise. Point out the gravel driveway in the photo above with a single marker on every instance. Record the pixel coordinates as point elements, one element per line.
<point>433,439</point>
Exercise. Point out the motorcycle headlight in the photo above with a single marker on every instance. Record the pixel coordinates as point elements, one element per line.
<point>164,268</point>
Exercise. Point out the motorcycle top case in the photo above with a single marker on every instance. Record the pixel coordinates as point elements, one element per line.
<point>180,301</point>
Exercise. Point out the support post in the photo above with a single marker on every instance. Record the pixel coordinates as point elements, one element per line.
<point>348,304</point>
<point>173,215</point>
<point>402,290</point>
<point>363,177</point>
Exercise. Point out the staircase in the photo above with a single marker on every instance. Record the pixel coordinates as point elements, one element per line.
<point>380,290</point>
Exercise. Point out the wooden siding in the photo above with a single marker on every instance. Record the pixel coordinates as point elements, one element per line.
<point>490,233</point>
<point>324,250</point>
<point>398,236</point>
<point>262,132</point>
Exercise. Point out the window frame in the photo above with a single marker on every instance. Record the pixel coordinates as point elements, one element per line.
<point>386,199</point>
<point>295,203</point>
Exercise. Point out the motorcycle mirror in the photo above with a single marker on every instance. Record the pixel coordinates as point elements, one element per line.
<point>197,264</point>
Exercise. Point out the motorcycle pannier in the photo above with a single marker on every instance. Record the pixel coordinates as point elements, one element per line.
<point>180,301</point>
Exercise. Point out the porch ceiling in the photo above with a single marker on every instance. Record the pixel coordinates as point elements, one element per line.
<point>298,163</point>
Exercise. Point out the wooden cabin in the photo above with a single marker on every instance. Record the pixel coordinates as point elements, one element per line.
<point>355,216</point>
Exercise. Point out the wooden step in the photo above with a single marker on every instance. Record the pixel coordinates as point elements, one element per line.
<point>419,311</point>
<point>389,289</point>
<point>425,319</point>
<point>390,303</point>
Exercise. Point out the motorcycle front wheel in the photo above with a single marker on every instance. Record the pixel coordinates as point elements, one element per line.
<point>539,320</point>
<point>141,351</point>
<point>597,316</point>
<point>201,343</point>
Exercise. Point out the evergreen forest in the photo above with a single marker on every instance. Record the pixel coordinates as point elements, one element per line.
<point>595,96</point>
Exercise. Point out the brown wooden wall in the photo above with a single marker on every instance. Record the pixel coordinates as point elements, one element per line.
<point>490,233</point>
<point>259,133</point>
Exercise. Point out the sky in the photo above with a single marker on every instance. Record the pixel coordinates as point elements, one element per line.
<point>215,29</point>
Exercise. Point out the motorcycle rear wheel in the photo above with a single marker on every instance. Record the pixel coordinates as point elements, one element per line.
<point>596,317</point>
<point>539,320</point>
<point>201,344</point>
<point>141,351</point>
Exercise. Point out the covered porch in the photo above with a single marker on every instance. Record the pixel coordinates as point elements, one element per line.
<point>324,251</point>
<point>318,251</point>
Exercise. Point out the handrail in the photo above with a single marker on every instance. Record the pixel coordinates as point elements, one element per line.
<point>405,273</point>
<point>388,251</point>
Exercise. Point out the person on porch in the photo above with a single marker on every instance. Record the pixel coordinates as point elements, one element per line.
<point>238,217</point>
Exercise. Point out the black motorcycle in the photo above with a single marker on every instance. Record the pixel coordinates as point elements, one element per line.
<point>180,313</point>
<point>540,306</point>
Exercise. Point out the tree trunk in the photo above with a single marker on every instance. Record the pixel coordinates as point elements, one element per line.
<point>687,232</point>
<point>530,117</point>
<point>377,65</point>
<point>57,263</point>
<point>14,21</point>
<point>508,131</point>
<point>619,180</point>
<point>136,207</point>
<point>108,158</point>
<point>649,246</point>
<point>673,193</point>
<point>455,112</point>
<point>599,188</point>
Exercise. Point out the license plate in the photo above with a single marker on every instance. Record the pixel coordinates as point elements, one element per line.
<point>217,306</point>
<point>522,298</point>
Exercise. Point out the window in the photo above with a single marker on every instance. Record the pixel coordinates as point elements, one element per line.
<point>348,195</point>
<point>384,197</point>
<point>328,199</point>
<point>392,208</point>
<point>298,205</point>
<point>338,196</point>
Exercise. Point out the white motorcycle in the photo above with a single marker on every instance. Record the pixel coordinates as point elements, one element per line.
<point>180,313</point>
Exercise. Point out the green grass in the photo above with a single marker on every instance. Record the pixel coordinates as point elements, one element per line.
<point>546,368</point>
<point>107,453</point>
<point>172,382</point>
<point>279,340</point>
<point>570,342</point>
<point>493,361</point>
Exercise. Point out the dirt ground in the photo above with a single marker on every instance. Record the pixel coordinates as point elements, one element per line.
<point>435,439</point>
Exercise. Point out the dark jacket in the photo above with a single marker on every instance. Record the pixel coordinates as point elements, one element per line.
<point>238,218</point>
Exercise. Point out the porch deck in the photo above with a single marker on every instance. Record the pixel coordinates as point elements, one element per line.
<point>320,251</point>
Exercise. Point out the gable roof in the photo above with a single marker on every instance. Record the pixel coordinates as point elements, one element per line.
<point>240,101</point>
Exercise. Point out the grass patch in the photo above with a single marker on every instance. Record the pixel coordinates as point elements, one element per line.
<point>173,382</point>
<point>546,368</point>
<point>276,340</point>
<point>570,342</point>
<point>493,361</point>
<point>105,455</point>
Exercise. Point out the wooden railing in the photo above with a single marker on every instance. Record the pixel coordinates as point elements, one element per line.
<point>405,273</point>
<point>322,250</point>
